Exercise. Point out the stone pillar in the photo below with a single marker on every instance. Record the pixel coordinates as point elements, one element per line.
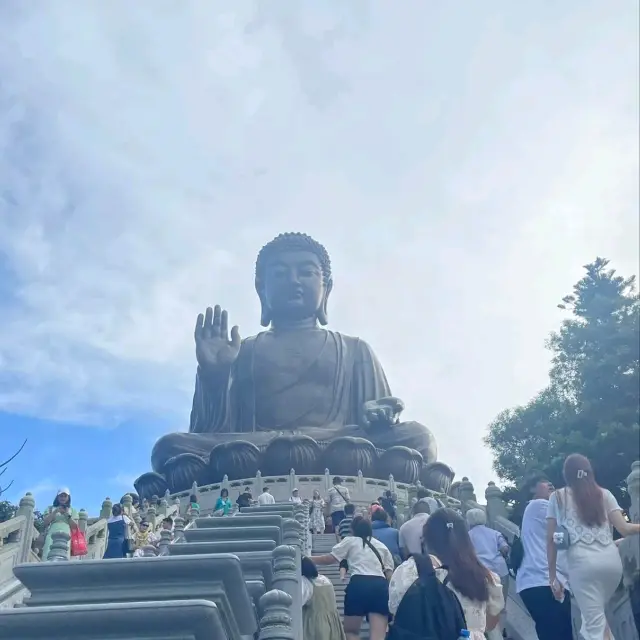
<point>327,481</point>
<point>633,486</point>
<point>286,577</point>
<point>162,509</point>
<point>107,505</point>
<point>495,503</point>
<point>25,508</point>
<point>275,616</point>
<point>629,547</point>
<point>59,550</point>
<point>178,528</point>
<point>127,504</point>
<point>83,516</point>
<point>151,516</point>
<point>466,494</point>
<point>292,480</point>
<point>165,541</point>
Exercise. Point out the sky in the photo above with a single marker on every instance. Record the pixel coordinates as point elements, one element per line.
<point>460,164</point>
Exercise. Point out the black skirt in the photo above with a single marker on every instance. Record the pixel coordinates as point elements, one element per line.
<point>365,595</point>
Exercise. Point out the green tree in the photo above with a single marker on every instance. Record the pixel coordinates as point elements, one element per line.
<point>591,405</point>
<point>7,510</point>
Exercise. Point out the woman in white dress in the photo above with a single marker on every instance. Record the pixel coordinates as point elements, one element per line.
<point>583,514</point>
<point>316,521</point>
<point>479,590</point>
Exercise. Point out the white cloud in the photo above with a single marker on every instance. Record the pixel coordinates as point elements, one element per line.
<point>43,491</point>
<point>125,480</point>
<point>460,169</point>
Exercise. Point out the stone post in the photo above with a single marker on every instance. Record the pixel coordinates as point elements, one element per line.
<point>151,517</point>
<point>275,616</point>
<point>127,504</point>
<point>178,528</point>
<point>165,541</point>
<point>292,480</point>
<point>59,550</point>
<point>327,481</point>
<point>466,494</point>
<point>633,486</point>
<point>176,503</point>
<point>286,577</point>
<point>495,504</point>
<point>225,484</point>
<point>360,486</point>
<point>162,509</point>
<point>107,505</point>
<point>301,515</point>
<point>25,508</point>
<point>83,516</point>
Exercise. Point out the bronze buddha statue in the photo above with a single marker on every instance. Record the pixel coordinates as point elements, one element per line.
<point>296,396</point>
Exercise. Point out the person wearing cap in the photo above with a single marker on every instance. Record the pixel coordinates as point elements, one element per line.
<point>295,497</point>
<point>551,616</point>
<point>60,517</point>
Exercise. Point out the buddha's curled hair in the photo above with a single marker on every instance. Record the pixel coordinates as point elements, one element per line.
<point>292,241</point>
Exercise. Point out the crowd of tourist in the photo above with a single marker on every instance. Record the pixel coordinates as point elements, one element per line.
<point>439,573</point>
<point>397,577</point>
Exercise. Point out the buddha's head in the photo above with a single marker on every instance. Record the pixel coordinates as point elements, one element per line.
<point>293,279</point>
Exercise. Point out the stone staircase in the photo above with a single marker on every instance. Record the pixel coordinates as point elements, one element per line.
<point>223,578</point>
<point>322,544</point>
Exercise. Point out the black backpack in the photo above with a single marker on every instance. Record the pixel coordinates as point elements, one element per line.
<point>429,610</point>
<point>516,556</point>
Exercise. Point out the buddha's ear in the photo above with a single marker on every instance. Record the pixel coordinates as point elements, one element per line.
<point>265,313</point>
<point>323,316</point>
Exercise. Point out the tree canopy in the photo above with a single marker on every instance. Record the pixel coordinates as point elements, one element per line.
<point>592,403</point>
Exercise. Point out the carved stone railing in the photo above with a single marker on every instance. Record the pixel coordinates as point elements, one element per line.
<point>363,491</point>
<point>626,601</point>
<point>17,538</point>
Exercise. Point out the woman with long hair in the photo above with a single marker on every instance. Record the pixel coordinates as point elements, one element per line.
<point>320,617</point>
<point>479,590</point>
<point>579,519</point>
<point>370,566</point>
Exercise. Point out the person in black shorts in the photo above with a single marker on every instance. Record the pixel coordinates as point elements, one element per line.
<point>367,594</point>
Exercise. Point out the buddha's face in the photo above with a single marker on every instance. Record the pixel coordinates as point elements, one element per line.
<point>293,285</point>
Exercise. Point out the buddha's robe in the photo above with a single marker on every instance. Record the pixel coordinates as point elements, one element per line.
<point>313,382</point>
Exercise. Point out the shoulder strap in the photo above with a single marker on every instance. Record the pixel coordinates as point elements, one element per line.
<point>341,494</point>
<point>368,543</point>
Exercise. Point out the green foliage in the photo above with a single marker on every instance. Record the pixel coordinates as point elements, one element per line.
<point>9,511</point>
<point>591,405</point>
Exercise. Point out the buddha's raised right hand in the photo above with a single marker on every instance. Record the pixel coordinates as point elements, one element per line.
<point>214,350</point>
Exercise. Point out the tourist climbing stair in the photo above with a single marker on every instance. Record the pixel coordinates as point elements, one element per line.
<point>322,544</point>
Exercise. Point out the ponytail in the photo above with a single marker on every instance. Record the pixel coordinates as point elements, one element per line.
<point>361,528</point>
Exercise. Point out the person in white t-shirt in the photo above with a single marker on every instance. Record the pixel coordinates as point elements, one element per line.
<point>552,617</point>
<point>586,512</point>
<point>337,497</point>
<point>266,498</point>
<point>367,594</point>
